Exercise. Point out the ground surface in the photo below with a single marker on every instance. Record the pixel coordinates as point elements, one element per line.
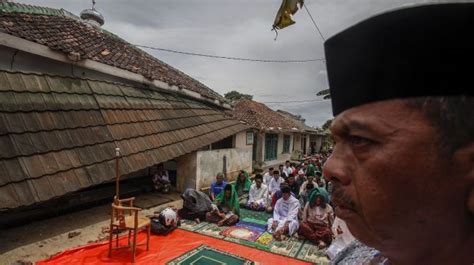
<point>41,239</point>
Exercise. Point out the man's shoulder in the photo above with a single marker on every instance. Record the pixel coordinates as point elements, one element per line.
<point>355,253</point>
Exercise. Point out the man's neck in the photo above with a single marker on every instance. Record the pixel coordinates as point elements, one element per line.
<point>444,252</point>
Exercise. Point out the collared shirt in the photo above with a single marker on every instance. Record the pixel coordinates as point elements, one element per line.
<point>266,178</point>
<point>275,184</point>
<point>258,195</point>
<point>357,253</point>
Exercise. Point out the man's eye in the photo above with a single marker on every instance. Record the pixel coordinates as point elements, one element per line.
<point>358,141</point>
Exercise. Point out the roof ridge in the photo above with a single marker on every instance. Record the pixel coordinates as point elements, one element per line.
<point>12,7</point>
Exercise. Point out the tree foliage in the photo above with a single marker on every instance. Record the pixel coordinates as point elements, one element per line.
<point>235,95</point>
<point>326,94</point>
<point>327,124</point>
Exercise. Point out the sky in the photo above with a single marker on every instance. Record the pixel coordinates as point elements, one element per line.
<point>239,28</point>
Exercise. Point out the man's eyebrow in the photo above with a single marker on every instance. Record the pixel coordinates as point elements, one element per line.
<point>348,126</point>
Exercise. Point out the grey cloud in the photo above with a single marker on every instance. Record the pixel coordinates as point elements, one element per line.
<point>241,29</point>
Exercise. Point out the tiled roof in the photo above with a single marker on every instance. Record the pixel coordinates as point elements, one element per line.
<point>64,32</point>
<point>260,116</point>
<point>58,134</point>
<point>298,120</point>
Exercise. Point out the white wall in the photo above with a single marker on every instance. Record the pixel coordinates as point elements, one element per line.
<point>209,163</point>
<point>241,141</point>
<point>186,172</point>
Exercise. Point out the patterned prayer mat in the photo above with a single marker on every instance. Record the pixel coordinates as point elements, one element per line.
<point>251,231</point>
<point>204,255</point>
<point>242,232</point>
<point>311,253</point>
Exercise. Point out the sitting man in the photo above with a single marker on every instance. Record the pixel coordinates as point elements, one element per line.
<point>161,180</point>
<point>258,195</point>
<point>217,186</point>
<point>304,196</point>
<point>295,188</point>
<point>242,187</point>
<point>268,176</point>
<point>226,209</point>
<point>318,217</point>
<point>310,179</point>
<point>285,215</point>
<point>275,182</point>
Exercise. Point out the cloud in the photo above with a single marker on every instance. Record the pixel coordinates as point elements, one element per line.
<point>241,29</point>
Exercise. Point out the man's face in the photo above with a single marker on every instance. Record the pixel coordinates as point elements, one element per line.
<point>219,179</point>
<point>276,176</point>
<point>291,180</point>
<point>258,183</point>
<point>227,194</point>
<point>388,177</point>
<point>285,196</point>
<point>242,177</point>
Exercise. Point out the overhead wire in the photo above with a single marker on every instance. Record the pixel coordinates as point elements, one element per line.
<point>295,101</point>
<point>314,22</point>
<point>229,57</point>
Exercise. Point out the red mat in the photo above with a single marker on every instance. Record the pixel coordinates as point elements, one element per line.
<point>162,250</point>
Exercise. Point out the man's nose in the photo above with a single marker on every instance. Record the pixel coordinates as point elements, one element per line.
<point>337,166</point>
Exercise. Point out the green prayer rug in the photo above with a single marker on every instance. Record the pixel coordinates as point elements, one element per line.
<point>204,255</point>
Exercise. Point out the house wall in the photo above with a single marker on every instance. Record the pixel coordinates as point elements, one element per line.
<point>186,172</point>
<point>241,141</point>
<point>209,163</point>
<point>281,157</point>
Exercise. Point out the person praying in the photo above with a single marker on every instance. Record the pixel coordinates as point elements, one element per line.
<point>242,187</point>
<point>318,217</point>
<point>285,215</point>
<point>226,209</point>
<point>258,195</point>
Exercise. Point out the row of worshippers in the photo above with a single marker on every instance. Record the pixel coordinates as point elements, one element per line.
<point>312,207</point>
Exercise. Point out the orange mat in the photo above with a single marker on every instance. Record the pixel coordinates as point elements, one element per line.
<point>162,250</point>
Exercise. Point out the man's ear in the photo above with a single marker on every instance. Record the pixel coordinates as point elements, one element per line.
<point>464,162</point>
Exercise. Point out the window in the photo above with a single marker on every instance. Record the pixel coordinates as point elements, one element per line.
<point>224,143</point>
<point>271,146</point>
<point>286,144</point>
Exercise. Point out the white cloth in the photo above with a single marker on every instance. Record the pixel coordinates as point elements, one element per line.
<point>266,178</point>
<point>287,170</point>
<point>275,184</point>
<point>258,195</point>
<point>285,211</point>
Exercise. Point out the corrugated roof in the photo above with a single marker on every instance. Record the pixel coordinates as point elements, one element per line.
<point>64,32</point>
<point>58,134</point>
<point>260,116</point>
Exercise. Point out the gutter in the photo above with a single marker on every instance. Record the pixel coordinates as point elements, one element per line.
<point>44,51</point>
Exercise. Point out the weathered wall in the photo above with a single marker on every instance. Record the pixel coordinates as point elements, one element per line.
<point>186,172</point>
<point>241,141</point>
<point>297,142</point>
<point>209,163</point>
